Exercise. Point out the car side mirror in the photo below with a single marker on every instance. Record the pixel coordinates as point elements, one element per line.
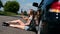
<point>35,4</point>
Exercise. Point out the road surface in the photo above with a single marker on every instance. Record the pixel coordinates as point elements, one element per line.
<point>10,30</point>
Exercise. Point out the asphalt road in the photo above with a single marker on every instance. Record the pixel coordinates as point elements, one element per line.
<point>11,30</point>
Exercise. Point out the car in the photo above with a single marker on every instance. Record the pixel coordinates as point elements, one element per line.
<point>50,16</point>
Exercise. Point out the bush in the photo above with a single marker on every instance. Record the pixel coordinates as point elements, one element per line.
<point>1,13</point>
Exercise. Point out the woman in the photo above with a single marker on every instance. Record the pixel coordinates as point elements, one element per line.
<point>38,17</point>
<point>21,24</point>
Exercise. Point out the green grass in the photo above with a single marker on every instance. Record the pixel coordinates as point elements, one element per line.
<point>7,13</point>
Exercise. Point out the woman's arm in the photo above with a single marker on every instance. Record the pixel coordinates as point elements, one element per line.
<point>25,18</point>
<point>28,22</point>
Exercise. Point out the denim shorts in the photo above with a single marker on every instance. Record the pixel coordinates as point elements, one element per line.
<point>26,27</point>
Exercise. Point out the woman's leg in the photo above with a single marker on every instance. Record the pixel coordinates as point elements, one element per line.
<point>16,21</point>
<point>17,26</point>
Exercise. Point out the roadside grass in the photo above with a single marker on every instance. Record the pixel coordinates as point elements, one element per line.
<point>8,13</point>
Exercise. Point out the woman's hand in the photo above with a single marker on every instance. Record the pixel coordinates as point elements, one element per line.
<point>25,18</point>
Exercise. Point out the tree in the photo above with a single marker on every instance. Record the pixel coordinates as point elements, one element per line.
<point>11,6</point>
<point>22,13</point>
<point>1,5</point>
<point>25,13</point>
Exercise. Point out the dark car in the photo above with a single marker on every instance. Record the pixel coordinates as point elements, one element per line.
<point>50,17</point>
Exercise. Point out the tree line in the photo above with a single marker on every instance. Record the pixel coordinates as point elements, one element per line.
<point>10,8</point>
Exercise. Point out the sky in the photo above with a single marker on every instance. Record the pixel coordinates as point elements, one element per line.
<point>24,4</point>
